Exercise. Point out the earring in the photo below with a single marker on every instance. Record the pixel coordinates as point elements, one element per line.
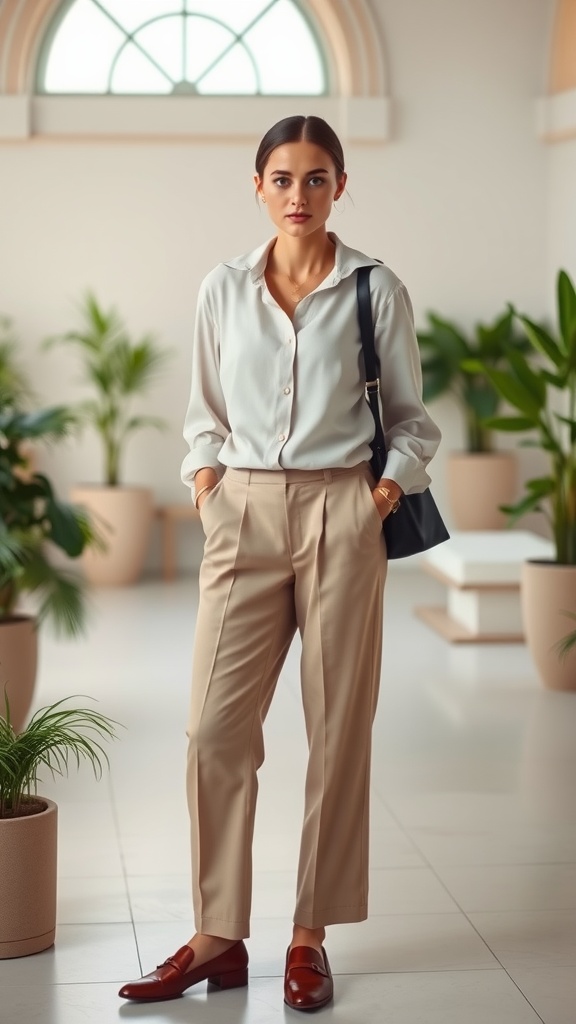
<point>263,198</point>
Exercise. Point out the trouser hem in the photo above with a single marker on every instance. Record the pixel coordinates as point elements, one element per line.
<point>330,915</point>
<point>223,929</point>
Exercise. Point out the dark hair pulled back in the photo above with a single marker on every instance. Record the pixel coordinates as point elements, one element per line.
<point>297,129</point>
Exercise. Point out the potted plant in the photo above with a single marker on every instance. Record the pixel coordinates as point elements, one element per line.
<point>34,524</point>
<point>543,396</point>
<point>479,479</point>
<point>28,822</point>
<point>118,370</point>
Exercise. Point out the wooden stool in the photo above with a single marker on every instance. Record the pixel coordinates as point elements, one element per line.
<point>170,516</point>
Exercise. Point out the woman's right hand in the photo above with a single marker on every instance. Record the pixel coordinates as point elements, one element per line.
<point>205,481</point>
<point>203,497</point>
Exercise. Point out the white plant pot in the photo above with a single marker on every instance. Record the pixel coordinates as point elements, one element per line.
<point>123,516</point>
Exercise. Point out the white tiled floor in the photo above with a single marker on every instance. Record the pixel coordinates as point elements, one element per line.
<point>473,881</point>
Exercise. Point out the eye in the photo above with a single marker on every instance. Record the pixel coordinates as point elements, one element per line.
<point>316,182</point>
<point>282,182</point>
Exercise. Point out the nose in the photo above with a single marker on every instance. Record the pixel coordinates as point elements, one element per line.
<point>298,199</point>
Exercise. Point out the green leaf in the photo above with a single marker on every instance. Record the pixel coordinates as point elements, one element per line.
<point>524,373</point>
<point>66,529</point>
<point>62,596</point>
<point>138,422</point>
<point>530,503</point>
<point>54,422</point>
<point>514,392</point>
<point>542,487</point>
<point>510,423</point>
<point>54,737</point>
<point>566,310</point>
<point>446,340</point>
<point>543,342</point>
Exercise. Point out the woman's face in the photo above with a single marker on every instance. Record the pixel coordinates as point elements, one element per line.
<point>299,185</point>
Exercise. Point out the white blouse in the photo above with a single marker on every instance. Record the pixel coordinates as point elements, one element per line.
<point>271,393</point>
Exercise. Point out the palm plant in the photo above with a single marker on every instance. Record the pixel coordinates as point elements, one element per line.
<point>54,736</point>
<point>14,387</point>
<point>118,369</point>
<point>32,518</point>
<point>446,354</point>
<point>537,391</point>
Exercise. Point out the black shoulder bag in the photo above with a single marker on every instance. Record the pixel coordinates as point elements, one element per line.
<point>417,524</point>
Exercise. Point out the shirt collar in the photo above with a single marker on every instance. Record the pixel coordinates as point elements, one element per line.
<point>346,261</point>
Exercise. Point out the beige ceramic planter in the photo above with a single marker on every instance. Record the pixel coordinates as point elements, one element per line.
<point>123,515</point>
<point>18,661</point>
<point>478,483</point>
<point>548,591</point>
<point>28,855</point>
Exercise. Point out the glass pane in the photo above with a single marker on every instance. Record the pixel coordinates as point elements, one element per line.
<point>133,13</point>
<point>281,44</point>
<point>83,48</point>
<point>232,75</point>
<point>236,13</point>
<point>286,52</point>
<point>163,41</point>
<point>206,41</point>
<point>135,74</point>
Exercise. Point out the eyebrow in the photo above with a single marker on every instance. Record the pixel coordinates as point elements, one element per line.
<point>316,170</point>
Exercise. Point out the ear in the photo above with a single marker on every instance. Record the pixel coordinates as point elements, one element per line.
<point>341,186</point>
<point>258,185</point>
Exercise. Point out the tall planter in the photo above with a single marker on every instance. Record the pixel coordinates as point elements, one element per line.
<point>28,855</point>
<point>123,515</point>
<point>548,592</point>
<point>478,483</point>
<point>18,663</point>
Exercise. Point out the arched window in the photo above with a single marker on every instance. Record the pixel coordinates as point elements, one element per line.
<point>156,47</point>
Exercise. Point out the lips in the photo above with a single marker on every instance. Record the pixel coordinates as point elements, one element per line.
<point>299,218</point>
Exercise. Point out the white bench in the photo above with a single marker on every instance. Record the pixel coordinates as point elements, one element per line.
<point>481,571</point>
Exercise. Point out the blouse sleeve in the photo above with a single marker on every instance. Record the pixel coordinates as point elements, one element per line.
<point>412,437</point>
<point>206,424</point>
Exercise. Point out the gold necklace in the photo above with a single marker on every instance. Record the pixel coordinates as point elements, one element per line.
<point>298,287</point>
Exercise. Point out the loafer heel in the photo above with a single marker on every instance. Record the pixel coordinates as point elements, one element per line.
<point>231,979</point>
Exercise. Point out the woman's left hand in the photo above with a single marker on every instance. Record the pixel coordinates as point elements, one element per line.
<point>382,503</point>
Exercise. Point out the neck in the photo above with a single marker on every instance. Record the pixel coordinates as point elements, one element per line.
<point>301,257</point>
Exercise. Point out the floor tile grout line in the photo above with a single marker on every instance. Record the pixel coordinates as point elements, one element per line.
<point>461,909</point>
<point>123,863</point>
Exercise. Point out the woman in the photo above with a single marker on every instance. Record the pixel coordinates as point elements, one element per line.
<point>279,434</point>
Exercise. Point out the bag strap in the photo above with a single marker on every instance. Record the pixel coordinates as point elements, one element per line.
<point>371,361</point>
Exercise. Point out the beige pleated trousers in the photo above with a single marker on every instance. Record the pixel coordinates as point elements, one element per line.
<point>285,550</point>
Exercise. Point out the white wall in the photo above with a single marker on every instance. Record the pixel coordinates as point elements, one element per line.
<point>561,211</point>
<point>456,204</point>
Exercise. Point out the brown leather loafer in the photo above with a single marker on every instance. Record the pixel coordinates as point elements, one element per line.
<point>308,981</point>
<point>176,974</point>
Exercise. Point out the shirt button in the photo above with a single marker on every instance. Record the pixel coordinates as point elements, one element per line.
<point>281,437</point>
<point>287,391</point>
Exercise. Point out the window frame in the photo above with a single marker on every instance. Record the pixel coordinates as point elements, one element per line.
<point>59,15</point>
<point>359,107</point>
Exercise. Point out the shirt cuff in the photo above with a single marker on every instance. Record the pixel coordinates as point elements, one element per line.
<point>407,472</point>
<point>205,457</point>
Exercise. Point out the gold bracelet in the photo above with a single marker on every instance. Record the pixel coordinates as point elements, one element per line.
<point>208,487</point>
<point>393,502</point>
